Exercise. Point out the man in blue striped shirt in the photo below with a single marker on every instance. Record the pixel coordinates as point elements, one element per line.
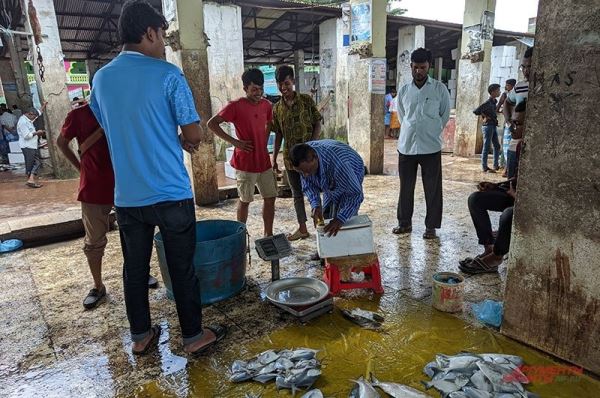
<point>336,170</point>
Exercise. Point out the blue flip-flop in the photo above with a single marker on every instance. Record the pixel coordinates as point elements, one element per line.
<point>10,245</point>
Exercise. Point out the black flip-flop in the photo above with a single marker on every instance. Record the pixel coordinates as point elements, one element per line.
<point>477,266</point>
<point>220,332</point>
<point>33,185</point>
<point>401,230</point>
<point>155,330</point>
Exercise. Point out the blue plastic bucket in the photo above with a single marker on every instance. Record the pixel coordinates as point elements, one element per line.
<point>220,259</point>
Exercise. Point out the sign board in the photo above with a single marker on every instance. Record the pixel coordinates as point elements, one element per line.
<point>169,10</point>
<point>361,21</point>
<point>377,77</point>
<point>346,16</point>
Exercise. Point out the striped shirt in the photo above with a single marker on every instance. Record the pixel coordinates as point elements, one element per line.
<point>517,95</point>
<point>340,176</point>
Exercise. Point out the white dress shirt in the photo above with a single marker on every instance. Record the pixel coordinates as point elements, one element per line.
<point>423,114</point>
<point>26,131</point>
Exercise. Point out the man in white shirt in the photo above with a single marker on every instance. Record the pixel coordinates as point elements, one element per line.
<point>423,109</point>
<point>28,141</point>
<point>8,123</point>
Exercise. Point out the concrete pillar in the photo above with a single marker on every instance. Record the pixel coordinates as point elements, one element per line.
<point>552,296</point>
<point>223,27</point>
<point>54,87</point>
<point>299,71</point>
<point>2,97</point>
<point>366,84</point>
<point>341,75</point>
<point>188,50</point>
<point>473,74</point>
<point>409,39</point>
<point>17,75</point>
<point>328,46</point>
<point>439,62</point>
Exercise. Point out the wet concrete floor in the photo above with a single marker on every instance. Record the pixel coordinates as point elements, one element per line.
<point>50,346</point>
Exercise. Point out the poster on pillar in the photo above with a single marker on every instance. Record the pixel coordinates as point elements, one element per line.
<point>361,22</point>
<point>346,15</point>
<point>377,78</point>
<point>169,10</point>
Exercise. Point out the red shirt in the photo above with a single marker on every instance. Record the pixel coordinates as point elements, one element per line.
<point>96,181</point>
<point>250,121</point>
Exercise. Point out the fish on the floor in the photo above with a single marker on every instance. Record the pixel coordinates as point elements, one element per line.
<point>468,375</point>
<point>397,390</point>
<point>364,318</point>
<point>316,393</point>
<point>363,389</point>
<point>292,369</point>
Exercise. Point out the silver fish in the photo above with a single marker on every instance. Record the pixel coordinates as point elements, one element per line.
<point>283,364</point>
<point>480,381</point>
<point>303,353</point>
<point>475,393</point>
<point>457,394</point>
<point>306,363</point>
<point>364,390</point>
<point>267,357</point>
<point>264,377</point>
<point>446,387</point>
<point>496,375</point>
<point>239,366</point>
<point>316,393</point>
<point>431,369</point>
<point>240,376</point>
<point>502,358</point>
<point>397,390</point>
<point>363,318</point>
<point>457,362</point>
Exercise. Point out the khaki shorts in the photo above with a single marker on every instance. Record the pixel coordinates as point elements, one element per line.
<point>96,221</point>
<point>266,182</point>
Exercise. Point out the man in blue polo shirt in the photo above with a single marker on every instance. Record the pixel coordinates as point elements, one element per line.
<point>139,100</point>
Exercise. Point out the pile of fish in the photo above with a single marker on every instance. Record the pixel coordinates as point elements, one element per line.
<point>290,369</point>
<point>365,389</point>
<point>468,375</point>
<point>364,318</point>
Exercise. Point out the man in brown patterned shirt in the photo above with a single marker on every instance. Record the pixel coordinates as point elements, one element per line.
<point>295,120</point>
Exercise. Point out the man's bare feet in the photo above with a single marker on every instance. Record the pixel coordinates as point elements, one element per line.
<point>208,337</point>
<point>142,347</point>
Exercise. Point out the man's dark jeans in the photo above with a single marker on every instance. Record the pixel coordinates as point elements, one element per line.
<point>177,223</point>
<point>480,204</point>
<point>502,244</point>
<point>490,138</point>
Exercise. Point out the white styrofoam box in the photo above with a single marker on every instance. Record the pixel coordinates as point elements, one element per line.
<point>16,158</point>
<point>454,54</point>
<point>453,74</point>
<point>355,237</point>
<point>497,51</point>
<point>451,84</point>
<point>14,147</point>
<point>229,153</point>
<point>229,171</point>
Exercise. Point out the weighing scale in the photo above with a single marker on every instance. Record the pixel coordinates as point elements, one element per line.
<point>274,248</point>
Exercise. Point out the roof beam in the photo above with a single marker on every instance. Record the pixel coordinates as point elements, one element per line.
<point>107,17</point>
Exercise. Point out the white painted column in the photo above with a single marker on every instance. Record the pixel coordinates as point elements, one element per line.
<point>223,28</point>
<point>299,71</point>
<point>189,51</point>
<point>54,87</point>
<point>409,39</point>
<point>439,62</point>
<point>473,74</point>
<point>366,84</point>
<point>328,51</point>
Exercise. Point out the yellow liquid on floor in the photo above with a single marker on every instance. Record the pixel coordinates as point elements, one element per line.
<point>413,334</point>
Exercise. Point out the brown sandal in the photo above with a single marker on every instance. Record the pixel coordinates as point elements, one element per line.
<point>153,342</point>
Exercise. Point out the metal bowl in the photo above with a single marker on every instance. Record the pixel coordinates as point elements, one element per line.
<point>297,291</point>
